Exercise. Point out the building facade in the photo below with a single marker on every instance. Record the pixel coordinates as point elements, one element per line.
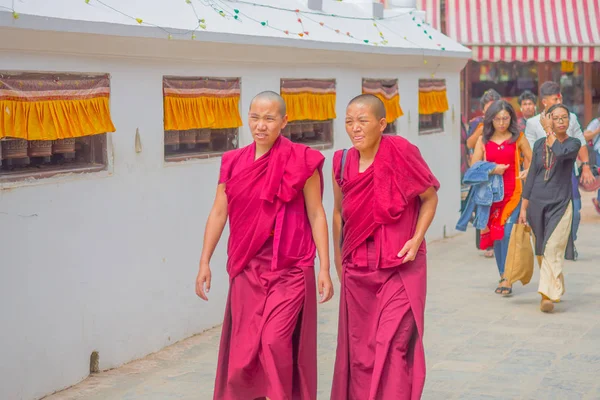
<point>518,44</point>
<point>103,222</point>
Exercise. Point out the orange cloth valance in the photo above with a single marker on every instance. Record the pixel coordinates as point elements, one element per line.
<point>387,92</point>
<point>52,107</point>
<point>201,103</point>
<point>432,97</point>
<point>309,99</point>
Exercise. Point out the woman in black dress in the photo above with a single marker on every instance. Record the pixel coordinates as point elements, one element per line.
<point>547,201</point>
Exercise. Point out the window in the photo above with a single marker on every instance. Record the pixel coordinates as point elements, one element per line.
<point>310,132</point>
<point>53,123</point>
<point>431,123</point>
<point>311,111</point>
<point>202,116</point>
<point>433,103</point>
<point>387,91</point>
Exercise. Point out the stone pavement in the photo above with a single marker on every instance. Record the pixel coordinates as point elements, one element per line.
<point>479,345</point>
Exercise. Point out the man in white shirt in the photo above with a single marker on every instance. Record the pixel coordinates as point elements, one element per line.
<point>592,134</point>
<point>534,131</point>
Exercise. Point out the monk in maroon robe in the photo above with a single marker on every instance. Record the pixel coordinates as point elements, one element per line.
<point>385,200</point>
<point>271,191</point>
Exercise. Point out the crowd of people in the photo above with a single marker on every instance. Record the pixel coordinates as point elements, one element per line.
<point>529,170</point>
<point>522,171</point>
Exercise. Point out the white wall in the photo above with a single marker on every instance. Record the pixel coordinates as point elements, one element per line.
<point>107,261</point>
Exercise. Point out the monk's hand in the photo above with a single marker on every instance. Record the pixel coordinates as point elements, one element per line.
<point>410,250</point>
<point>587,177</point>
<point>203,282</point>
<point>325,286</point>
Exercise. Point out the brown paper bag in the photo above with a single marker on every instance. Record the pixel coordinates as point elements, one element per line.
<point>519,260</point>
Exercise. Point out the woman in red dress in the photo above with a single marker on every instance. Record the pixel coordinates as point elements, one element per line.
<point>503,144</point>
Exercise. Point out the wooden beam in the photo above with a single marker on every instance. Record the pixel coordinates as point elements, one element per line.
<point>588,112</point>
<point>466,89</point>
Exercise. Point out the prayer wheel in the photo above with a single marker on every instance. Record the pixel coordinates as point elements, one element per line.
<point>39,148</point>
<point>64,146</point>
<point>203,136</point>
<point>296,132</point>
<point>188,137</point>
<point>308,131</point>
<point>14,148</point>
<point>171,138</point>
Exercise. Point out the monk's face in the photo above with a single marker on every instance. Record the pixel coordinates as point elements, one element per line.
<point>363,126</point>
<point>266,121</point>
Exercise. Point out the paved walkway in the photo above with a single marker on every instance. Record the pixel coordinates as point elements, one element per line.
<point>479,345</point>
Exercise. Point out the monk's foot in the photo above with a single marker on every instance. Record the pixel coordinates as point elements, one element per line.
<point>546,305</point>
<point>489,254</point>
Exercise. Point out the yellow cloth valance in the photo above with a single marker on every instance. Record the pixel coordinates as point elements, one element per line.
<point>310,106</point>
<point>201,103</point>
<point>385,90</point>
<point>183,113</point>
<point>433,102</point>
<point>51,107</point>
<point>432,96</point>
<point>309,99</point>
<point>393,111</point>
<point>54,119</point>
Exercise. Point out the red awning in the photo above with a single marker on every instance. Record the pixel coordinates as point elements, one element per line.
<point>432,12</point>
<point>526,30</point>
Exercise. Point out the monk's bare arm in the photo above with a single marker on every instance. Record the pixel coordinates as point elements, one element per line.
<point>318,224</point>
<point>214,225</point>
<point>212,233</point>
<point>429,202</point>
<point>337,226</point>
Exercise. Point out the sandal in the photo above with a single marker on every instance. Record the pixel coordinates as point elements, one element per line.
<point>506,291</point>
<point>500,288</point>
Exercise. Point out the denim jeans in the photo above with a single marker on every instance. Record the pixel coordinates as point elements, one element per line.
<point>576,217</point>
<point>598,165</point>
<point>501,246</point>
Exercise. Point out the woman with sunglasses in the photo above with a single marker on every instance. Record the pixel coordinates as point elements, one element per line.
<point>548,202</point>
<point>503,144</point>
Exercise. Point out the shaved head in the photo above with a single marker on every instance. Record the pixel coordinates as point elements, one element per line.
<point>273,97</point>
<point>373,102</point>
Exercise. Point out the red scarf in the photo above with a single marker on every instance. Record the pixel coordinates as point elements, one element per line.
<point>258,193</point>
<point>380,195</point>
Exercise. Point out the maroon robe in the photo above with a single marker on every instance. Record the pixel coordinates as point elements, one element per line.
<point>382,305</point>
<point>268,342</point>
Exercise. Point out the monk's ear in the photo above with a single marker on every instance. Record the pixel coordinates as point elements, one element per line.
<point>285,121</point>
<point>382,125</point>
